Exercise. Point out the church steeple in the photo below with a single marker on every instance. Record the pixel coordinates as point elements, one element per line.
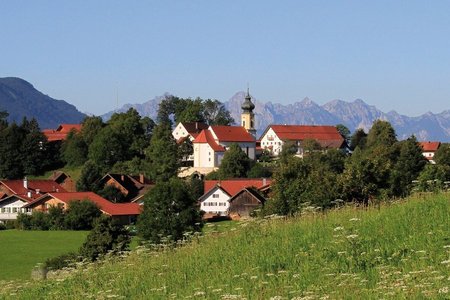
<point>247,115</point>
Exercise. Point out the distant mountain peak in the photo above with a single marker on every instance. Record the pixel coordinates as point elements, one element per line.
<point>20,99</point>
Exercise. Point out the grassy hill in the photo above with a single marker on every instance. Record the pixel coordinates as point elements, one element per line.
<point>400,250</point>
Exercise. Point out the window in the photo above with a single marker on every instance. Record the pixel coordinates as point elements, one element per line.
<point>215,195</point>
<point>14,210</point>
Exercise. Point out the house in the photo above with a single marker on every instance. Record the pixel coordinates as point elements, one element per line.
<point>31,189</point>
<point>11,206</point>
<point>125,213</point>
<point>132,187</point>
<point>429,149</point>
<point>245,202</point>
<point>64,180</point>
<point>188,130</point>
<point>216,200</point>
<point>275,136</point>
<point>59,134</point>
<point>211,144</point>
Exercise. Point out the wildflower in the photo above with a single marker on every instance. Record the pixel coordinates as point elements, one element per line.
<point>354,219</point>
<point>443,290</point>
<point>352,236</point>
<point>253,277</point>
<point>445,262</point>
<point>338,228</point>
<point>199,293</point>
<point>446,246</point>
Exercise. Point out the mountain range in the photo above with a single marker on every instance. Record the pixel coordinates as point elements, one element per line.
<point>354,115</point>
<point>20,99</point>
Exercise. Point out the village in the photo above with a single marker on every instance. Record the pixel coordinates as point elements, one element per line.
<point>232,198</point>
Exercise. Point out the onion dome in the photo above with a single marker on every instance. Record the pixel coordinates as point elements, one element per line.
<point>248,104</point>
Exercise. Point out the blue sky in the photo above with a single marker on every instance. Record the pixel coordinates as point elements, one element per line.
<point>392,54</point>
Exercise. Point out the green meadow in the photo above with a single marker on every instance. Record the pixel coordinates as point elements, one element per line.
<point>21,251</point>
<point>399,250</point>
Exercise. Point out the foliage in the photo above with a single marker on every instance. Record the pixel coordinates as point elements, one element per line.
<point>381,133</point>
<point>215,113</point>
<point>91,126</point>
<point>74,149</point>
<point>23,221</point>
<point>56,215</point>
<point>39,221</point>
<point>235,163</point>
<point>344,132</point>
<point>106,236</point>
<point>162,154</point>
<point>61,261</point>
<point>442,155</point>
<point>112,193</point>
<point>88,178</point>
<point>81,214</point>
<point>358,139</point>
<point>432,177</point>
<point>259,171</point>
<point>169,211</point>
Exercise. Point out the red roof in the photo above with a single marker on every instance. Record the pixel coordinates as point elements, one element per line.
<point>194,128</point>
<point>430,146</point>
<point>61,132</point>
<point>42,186</point>
<point>232,134</point>
<point>112,209</point>
<point>327,136</point>
<point>233,186</point>
<point>206,137</point>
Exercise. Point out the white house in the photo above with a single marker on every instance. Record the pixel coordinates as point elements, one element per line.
<point>216,200</point>
<point>429,149</point>
<point>11,206</point>
<point>188,129</point>
<point>275,136</point>
<point>211,144</point>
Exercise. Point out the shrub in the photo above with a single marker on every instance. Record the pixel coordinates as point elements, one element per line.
<point>81,215</point>
<point>2,226</point>
<point>23,221</point>
<point>39,221</point>
<point>106,236</point>
<point>62,261</point>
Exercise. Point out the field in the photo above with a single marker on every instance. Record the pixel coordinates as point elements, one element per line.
<point>399,250</point>
<point>22,250</point>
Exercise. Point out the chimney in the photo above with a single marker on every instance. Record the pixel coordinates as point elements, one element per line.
<point>264,181</point>
<point>29,194</point>
<point>25,183</point>
<point>122,177</point>
<point>141,178</point>
<point>38,191</point>
<point>196,125</point>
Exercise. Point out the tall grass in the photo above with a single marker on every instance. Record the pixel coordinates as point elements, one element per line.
<point>399,250</point>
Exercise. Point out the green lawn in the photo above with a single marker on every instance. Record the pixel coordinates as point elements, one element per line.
<point>22,250</point>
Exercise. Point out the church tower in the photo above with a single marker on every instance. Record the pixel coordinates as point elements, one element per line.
<point>247,115</point>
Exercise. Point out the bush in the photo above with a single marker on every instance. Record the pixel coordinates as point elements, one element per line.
<point>11,224</point>
<point>106,236</point>
<point>40,221</point>
<point>23,221</point>
<point>81,215</point>
<point>62,261</point>
<point>2,226</point>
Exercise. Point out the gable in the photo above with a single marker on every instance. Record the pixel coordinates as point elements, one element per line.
<point>213,193</point>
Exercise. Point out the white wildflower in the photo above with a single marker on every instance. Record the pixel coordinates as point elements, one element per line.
<point>354,219</point>
<point>352,236</point>
<point>338,228</point>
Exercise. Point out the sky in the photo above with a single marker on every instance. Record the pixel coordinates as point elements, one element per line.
<point>98,55</point>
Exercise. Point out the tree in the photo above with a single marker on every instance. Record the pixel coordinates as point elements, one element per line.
<point>3,122</point>
<point>91,127</point>
<point>74,149</point>
<point>112,193</point>
<point>381,133</point>
<point>108,148</point>
<point>162,155</point>
<point>106,236</point>
<point>88,178</point>
<point>345,132</point>
<point>442,155</point>
<point>34,146</point>
<point>235,163</point>
<point>409,164</point>
<point>11,164</point>
<point>169,212</point>
<point>215,113</point>
<point>80,215</point>
<point>288,150</point>
<point>358,139</point>
<point>55,215</point>
<point>432,177</point>
<point>259,171</point>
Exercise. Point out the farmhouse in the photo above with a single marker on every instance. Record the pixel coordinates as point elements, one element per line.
<point>59,134</point>
<point>429,149</point>
<point>126,213</point>
<point>132,187</point>
<point>188,130</point>
<point>11,206</point>
<point>216,200</point>
<point>275,136</point>
<point>31,189</point>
